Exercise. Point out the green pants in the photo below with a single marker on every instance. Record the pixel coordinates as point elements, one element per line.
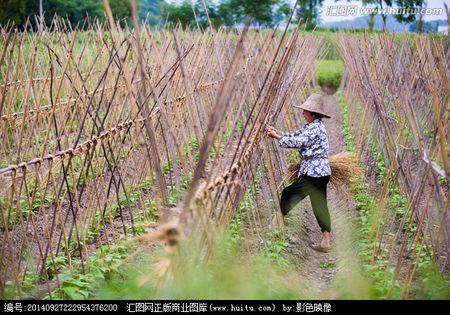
<point>316,189</point>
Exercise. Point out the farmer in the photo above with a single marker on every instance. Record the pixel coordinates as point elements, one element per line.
<point>314,172</point>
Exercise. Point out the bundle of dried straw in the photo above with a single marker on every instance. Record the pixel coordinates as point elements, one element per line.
<point>343,167</point>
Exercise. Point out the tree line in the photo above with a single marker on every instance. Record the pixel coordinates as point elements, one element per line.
<point>189,13</point>
<point>77,12</point>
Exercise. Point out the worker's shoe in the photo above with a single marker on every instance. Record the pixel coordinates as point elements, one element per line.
<point>320,248</point>
<point>325,244</point>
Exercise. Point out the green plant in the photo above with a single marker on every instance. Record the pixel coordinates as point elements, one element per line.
<point>53,266</point>
<point>167,168</point>
<point>376,269</point>
<point>75,285</point>
<point>433,285</point>
<point>327,265</point>
<point>329,73</point>
<point>348,136</point>
<point>275,250</point>
<point>151,209</point>
<point>375,260</point>
<point>227,274</point>
<point>146,185</point>
<point>192,147</point>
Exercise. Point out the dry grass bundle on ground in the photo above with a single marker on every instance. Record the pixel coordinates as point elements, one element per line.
<point>343,167</point>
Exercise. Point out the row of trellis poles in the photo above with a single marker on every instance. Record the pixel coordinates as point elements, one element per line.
<point>398,92</point>
<point>86,116</point>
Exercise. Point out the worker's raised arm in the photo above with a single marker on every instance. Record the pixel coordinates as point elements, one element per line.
<point>298,139</point>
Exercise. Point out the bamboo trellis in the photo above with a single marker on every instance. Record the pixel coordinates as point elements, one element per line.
<point>77,167</point>
<point>402,84</point>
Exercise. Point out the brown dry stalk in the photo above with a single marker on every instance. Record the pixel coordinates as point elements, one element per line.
<point>401,86</point>
<point>85,175</point>
<point>343,165</point>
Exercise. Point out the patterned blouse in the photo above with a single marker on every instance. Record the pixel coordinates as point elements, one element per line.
<point>312,141</point>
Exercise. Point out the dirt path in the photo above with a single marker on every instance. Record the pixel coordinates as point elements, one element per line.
<point>336,274</point>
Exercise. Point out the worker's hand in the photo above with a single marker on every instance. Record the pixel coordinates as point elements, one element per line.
<point>273,133</point>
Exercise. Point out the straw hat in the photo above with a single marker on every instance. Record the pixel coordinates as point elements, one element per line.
<point>314,103</point>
